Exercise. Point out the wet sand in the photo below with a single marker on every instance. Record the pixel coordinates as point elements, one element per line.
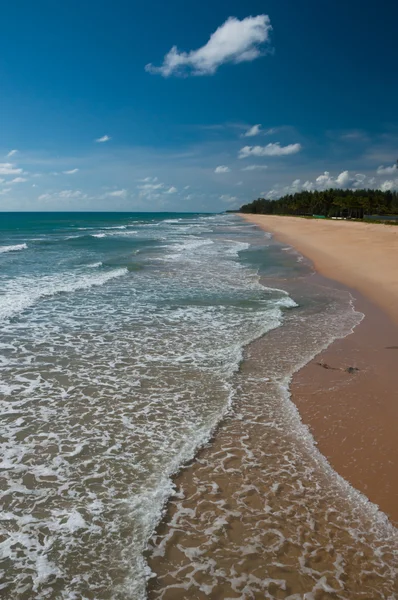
<point>259,513</point>
<point>362,256</point>
<point>354,419</point>
<point>354,416</point>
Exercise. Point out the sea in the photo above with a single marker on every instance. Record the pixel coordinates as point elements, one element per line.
<point>125,344</point>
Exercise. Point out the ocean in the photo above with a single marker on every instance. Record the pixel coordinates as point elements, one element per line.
<point>126,342</point>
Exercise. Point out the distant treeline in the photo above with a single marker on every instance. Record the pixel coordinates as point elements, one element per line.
<point>329,203</point>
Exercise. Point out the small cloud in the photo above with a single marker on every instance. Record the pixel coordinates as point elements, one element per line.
<point>355,135</point>
<point>148,180</point>
<point>11,153</point>
<point>387,170</point>
<point>269,150</point>
<point>71,172</point>
<point>252,131</point>
<point>389,185</point>
<point>171,190</point>
<point>343,179</point>
<point>187,187</point>
<point>9,169</point>
<point>239,183</point>
<point>233,42</point>
<point>255,168</point>
<point>150,186</point>
<point>104,138</point>
<point>118,194</point>
<point>228,199</point>
<point>222,169</point>
<point>18,180</point>
<point>64,195</point>
<point>72,194</point>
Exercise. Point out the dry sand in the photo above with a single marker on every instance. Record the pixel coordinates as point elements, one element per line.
<point>353,419</point>
<point>363,256</point>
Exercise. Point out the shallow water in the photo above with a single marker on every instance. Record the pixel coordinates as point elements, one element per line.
<point>121,336</point>
<point>259,513</point>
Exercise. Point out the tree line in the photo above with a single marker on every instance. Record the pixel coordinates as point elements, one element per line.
<point>328,203</point>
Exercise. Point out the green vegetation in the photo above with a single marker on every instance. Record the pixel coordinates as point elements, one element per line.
<point>329,203</point>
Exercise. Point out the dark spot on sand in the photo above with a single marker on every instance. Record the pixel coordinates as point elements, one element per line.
<point>326,366</point>
<point>351,369</point>
<point>391,347</point>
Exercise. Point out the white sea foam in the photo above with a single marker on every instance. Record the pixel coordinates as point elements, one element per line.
<point>116,227</point>
<point>106,393</point>
<point>14,248</point>
<point>24,292</point>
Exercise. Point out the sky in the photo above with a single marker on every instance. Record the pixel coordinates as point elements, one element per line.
<point>187,106</point>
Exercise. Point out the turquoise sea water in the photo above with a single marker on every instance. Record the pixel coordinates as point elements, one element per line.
<point>120,336</point>
<point>124,341</point>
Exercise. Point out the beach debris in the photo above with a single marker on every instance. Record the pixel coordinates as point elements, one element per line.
<point>391,347</point>
<point>326,366</point>
<point>350,370</point>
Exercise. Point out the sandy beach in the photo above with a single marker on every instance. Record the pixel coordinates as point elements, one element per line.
<point>363,256</point>
<point>259,512</point>
<point>353,418</point>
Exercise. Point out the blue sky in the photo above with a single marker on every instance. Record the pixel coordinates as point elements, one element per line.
<point>256,99</point>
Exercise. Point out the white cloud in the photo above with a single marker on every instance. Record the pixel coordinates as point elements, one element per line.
<point>252,131</point>
<point>343,179</point>
<point>228,199</point>
<point>151,191</point>
<point>150,186</point>
<point>71,194</point>
<point>63,195</point>
<point>104,138</point>
<point>148,179</point>
<point>9,169</point>
<point>233,42</point>
<point>71,172</point>
<point>171,190</point>
<point>11,153</point>
<point>389,185</point>
<point>5,191</point>
<point>18,180</point>
<point>118,194</point>
<point>387,170</point>
<point>326,181</point>
<point>269,150</point>
<point>222,169</point>
<point>255,168</point>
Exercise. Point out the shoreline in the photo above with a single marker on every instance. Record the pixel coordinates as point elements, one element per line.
<point>261,507</point>
<point>361,256</point>
<point>352,417</point>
